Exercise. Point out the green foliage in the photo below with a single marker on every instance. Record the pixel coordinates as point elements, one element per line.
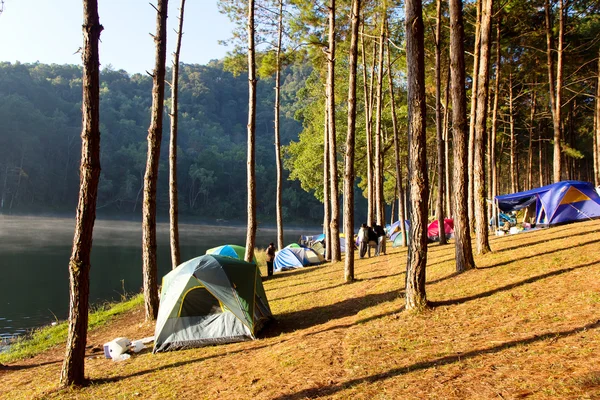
<point>44,338</point>
<point>40,144</point>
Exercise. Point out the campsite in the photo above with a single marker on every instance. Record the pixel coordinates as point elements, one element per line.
<point>524,324</point>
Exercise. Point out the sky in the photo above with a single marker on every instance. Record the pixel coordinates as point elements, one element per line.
<point>49,31</point>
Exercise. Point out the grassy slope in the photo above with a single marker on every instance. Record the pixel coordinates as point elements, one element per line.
<point>526,323</point>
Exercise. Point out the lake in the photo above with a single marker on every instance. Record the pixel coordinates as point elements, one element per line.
<point>35,252</point>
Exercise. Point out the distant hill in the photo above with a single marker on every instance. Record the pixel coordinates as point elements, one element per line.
<point>40,145</point>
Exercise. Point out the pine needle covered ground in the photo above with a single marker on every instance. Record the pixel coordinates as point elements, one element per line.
<point>524,324</point>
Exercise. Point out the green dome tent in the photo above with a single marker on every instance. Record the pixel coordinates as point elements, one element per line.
<point>210,299</point>
<point>230,250</point>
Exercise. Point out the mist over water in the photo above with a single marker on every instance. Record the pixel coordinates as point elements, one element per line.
<point>35,252</point>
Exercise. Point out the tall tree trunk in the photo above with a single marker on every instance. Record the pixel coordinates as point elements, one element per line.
<point>326,194</point>
<point>462,235</point>
<point>350,140</point>
<point>597,129</point>
<point>279,214</point>
<point>555,89</point>
<point>368,94</point>
<point>379,201</point>
<point>448,184</point>
<point>481,220</point>
<point>72,372</point>
<point>438,123</point>
<point>471,148</point>
<point>251,179</point>
<point>514,181</point>
<point>531,129</point>
<point>416,297</point>
<point>173,201</point>
<point>333,180</point>
<point>151,175</point>
<point>540,156</point>
<point>493,160</point>
<point>401,216</point>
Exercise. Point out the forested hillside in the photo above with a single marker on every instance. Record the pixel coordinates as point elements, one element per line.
<point>40,110</point>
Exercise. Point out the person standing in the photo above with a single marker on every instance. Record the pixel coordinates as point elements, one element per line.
<point>380,232</point>
<point>270,258</point>
<point>363,240</point>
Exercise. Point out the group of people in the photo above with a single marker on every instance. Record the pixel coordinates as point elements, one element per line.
<point>371,237</point>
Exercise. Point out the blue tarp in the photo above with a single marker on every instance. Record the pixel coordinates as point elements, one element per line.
<point>560,202</point>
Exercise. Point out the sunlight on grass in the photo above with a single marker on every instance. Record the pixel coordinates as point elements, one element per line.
<point>525,323</point>
<point>46,337</point>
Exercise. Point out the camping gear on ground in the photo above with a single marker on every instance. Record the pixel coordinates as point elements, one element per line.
<point>296,257</point>
<point>558,203</point>
<point>208,300</point>
<point>116,347</point>
<point>230,250</point>
<point>319,248</point>
<point>433,233</point>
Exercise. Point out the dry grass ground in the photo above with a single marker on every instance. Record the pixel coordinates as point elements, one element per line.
<point>524,324</point>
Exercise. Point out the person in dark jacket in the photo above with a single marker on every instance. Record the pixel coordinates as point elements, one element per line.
<point>380,232</point>
<point>270,258</point>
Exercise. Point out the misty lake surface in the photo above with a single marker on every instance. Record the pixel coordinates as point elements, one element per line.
<point>35,252</point>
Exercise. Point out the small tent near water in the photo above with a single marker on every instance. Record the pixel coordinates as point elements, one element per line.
<point>295,257</point>
<point>230,250</point>
<point>558,203</point>
<point>208,300</point>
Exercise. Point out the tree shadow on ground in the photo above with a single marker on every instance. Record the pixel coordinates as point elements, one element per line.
<point>511,286</point>
<point>303,319</point>
<point>313,291</point>
<point>101,381</point>
<point>539,254</point>
<point>17,367</point>
<point>316,392</point>
<point>545,241</point>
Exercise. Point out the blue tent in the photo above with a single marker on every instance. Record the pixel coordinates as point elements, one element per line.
<point>559,203</point>
<point>230,250</point>
<point>295,257</point>
<point>394,229</point>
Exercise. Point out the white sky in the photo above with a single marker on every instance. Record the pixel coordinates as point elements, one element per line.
<point>49,31</point>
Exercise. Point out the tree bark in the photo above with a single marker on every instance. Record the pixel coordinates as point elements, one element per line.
<point>531,129</point>
<point>597,129</point>
<point>333,180</point>
<point>472,121</point>
<point>448,184</point>
<point>493,173</point>
<point>326,194</point>
<point>251,179</point>
<point>173,201</point>
<point>278,206</point>
<point>416,297</point>
<point>398,165</point>
<point>350,141</point>
<point>514,181</point>
<point>555,90</point>
<point>481,220</point>
<point>151,176</point>
<point>379,201</point>
<point>540,157</point>
<point>368,128</point>
<point>438,124</point>
<point>464,252</point>
<point>72,372</point>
